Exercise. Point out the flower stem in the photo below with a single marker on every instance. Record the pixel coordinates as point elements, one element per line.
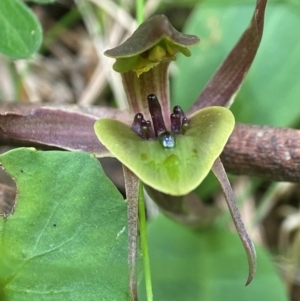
<point>140,11</point>
<point>144,243</point>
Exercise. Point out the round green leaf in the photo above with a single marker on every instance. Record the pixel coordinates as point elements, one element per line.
<point>21,33</point>
<point>175,171</point>
<point>67,238</point>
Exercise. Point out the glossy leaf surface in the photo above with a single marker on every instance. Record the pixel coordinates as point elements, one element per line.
<point>67,238</point>
<point>175,171</point>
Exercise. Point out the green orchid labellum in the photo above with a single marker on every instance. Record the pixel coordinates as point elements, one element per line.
<point>174,171</point>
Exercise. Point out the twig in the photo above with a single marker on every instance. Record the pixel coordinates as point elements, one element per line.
<point>263,151</point>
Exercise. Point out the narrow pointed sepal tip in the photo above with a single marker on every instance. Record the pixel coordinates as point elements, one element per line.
<point>251,254</point>
<point>220,174</point>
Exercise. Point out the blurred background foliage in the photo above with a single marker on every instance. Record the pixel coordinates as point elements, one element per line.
<point>68,67</point>
<point>270,93</point>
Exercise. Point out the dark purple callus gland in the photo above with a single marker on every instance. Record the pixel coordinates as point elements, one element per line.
<point>156,115</point>
<point>179,124</point>
<point>142,127</point>
<point>147,129</point>
<point>137,124</point>
<point>175,124</point>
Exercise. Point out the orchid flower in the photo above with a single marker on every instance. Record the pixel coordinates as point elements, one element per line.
<point>170,152</point>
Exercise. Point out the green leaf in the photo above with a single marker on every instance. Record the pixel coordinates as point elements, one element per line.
<point>175,171</point>
<point>206,265</point>
<point>67,238</point>
<point>272,79</point>
<point>21,33</point>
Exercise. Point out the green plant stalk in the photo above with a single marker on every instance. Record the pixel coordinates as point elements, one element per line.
<point>140,11</point>
<point>144,243</point>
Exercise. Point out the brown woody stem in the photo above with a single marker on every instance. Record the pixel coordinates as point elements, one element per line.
<point>263,151</point>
